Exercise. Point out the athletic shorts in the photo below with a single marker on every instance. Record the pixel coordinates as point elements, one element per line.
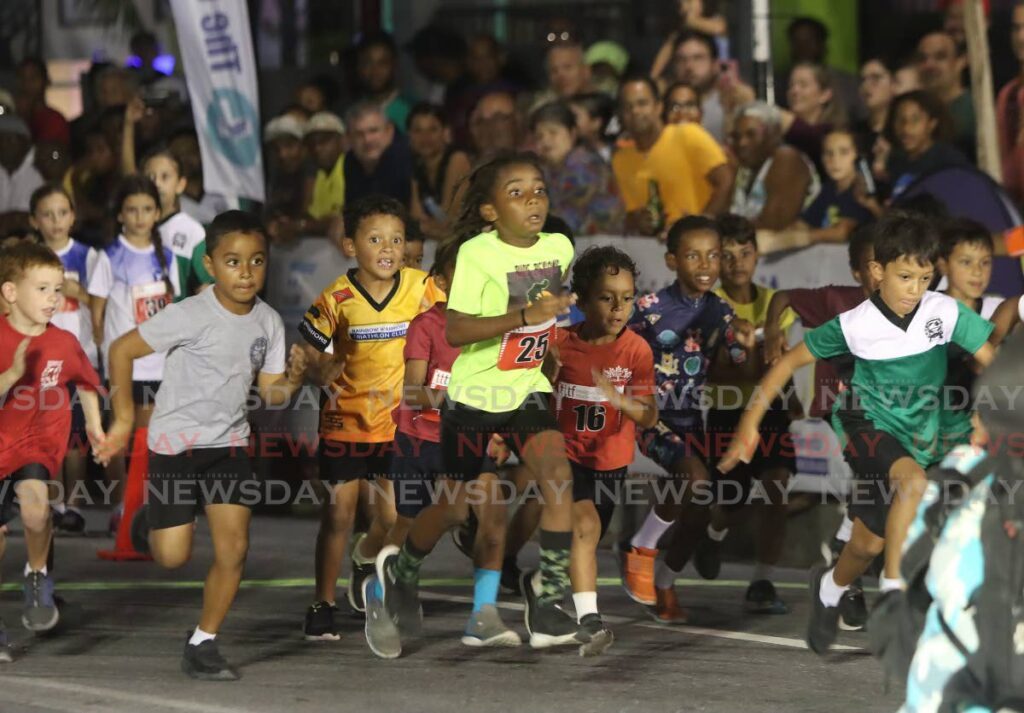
<point>180,485</point>
<point>870,453</point>
<point>466,431</point>
<point>415,465</point>
<point>344,461</point>
<point>144,392</point>
<point>666,445</point>
<point>8,497</point>
<point>602,487</point>
<point>774,451</point>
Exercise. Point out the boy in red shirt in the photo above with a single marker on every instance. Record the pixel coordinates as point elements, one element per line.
<point>37,362</point>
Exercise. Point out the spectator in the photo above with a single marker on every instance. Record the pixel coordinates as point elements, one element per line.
<point>906,79</point>
<point>814,110</point>
<point>325,140</point>
<point>775,180</point>
<point>440,56</point>
<point>608,62</point>
<point>580,184</point>
<point>377,68</point>
<point>808,44</point>
<point>196,201</point>
<point>94,179</point>
<point>378,161</point>
<point>594,113</point>
<point>1010,115</point>
<point>568,73</point>
<point>312,97</point>
<point>486,70</point>
<point>695,62</point>
<point>111,87</point>
<point>682,104</point>
<point>684,162</point>
<point>697,17</point>
<point>287,178</point>
<point>876,92</point>
<point>18,174</point>
<point>494,125</point>
<point>941,64</point>
<point>919,129</point>
<point>438,172</point>
<point>154,75</point>
<point>45,123</point>
<point>53,161</point>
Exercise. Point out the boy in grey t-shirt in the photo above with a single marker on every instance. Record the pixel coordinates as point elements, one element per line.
<point>218,343</point>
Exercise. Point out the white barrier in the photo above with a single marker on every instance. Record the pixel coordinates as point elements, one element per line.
<point>303,269</point>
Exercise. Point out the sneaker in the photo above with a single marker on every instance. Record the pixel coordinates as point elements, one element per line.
<point>823,622</point>
<point>853,610</point>
<point>401,598</point>
<point>205,662</point>
<point>761,598</point>
<point>5,649</point>
<point>707,558</point>
<point>485,628</point>
<point>319,624</point>
<point>594,636</point>
<point>667,609</point>
<point>40,613</point>
<point>140,530</point>
<point>71,521</point>
<point>358,574</point>
<point>510,574</point>
<point>547,624</point>
<point>637,570</point>
<point>381,633</point>
<point>464,536</point>
<point>830,552</point>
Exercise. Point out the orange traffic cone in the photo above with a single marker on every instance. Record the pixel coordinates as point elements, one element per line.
<point>134,491</point>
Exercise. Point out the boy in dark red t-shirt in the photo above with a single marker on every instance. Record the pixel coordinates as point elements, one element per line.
<point>37,362</point>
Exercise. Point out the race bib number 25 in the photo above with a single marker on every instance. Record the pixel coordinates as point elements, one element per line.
<point>526,347</point>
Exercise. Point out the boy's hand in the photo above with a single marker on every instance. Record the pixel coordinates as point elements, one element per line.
<point>548,306</point>
<point>295,369</point>
<point>73,289</point>
<point>741,448</point>
<point>774,345</point>
<point>98,441</point>
<point>745,334</point>
<point>607,388</point>
<point>498,450</point>
<point>115,441</point>
<point>17,367</point>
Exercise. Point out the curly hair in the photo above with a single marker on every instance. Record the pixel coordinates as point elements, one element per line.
<point>597,261</point>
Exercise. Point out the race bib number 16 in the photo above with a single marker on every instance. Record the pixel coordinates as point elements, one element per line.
<point>526,347</point>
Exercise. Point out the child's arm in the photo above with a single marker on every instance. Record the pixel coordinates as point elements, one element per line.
<point>97,307</point>
<point>17,368</point>
<point>415,392</point>
<point>93,420</point>
<point>746,436</point>
<point>75,290</point>
<point>123,353</point>
<point>985,355</point>
<point>1005,318</point>
<point>663,57</point>
<point>642,410</point>
<point>277,389</point>
<point>774,337</point>
<point>462,329</point>
<point>133,114</point>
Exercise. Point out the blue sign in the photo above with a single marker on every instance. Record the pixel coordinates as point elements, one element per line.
<point>232,124</point>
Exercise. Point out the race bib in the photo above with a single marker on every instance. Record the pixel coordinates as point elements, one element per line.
<point>526,347</point>
<point>69,304</point>
<point>439,381</point>
<point>149,299</point>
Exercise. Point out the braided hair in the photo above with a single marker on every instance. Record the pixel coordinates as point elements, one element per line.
<point>137,184</point>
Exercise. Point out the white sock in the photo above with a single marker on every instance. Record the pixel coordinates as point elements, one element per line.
<point>845,529</point>
<point>29,570</point>
<point>60,508</point>
<point>665,577</point>
<point>830,593</point>
<point>717,535</point>
<point>888,585</point>
<point>199,636</point>
<point>763,571</point>
<point>650,532</point>
<point>584,603</point>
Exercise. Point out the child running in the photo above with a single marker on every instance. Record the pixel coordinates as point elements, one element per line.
<point>225,338</point>
<point>505,295</point>
<point>888,416</point>
<point>37,364</point>
<point>415,465</point>
<point>356,332</point>
<point>52,215</point>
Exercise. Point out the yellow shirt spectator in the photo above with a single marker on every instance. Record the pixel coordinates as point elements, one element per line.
<point>329,191</point>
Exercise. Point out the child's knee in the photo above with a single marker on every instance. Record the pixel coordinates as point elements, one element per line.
<point>171,556</point>
<point>586,524</point>
<point>337,517</point>
<point>35,516</point>
<point>233,552</point>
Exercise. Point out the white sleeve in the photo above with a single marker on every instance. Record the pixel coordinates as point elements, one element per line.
<point>91,259</point>
<point>274,362</point>
<point>1020,308</point>
<point>101,278</point>
<point>172,268</point>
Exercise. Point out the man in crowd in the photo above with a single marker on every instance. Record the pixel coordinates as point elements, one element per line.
<point>376,69</point>
<point>568,72</point>
<point>379,160</point>
<point>941,64</point>
<point>494,125</point>
<point>695,61</point>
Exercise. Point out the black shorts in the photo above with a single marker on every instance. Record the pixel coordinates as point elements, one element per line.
<point>466,431</point>
<point>775,450</point>
<point>144,392</point>
<point>8,497</point>
<point>415,465</point>
<point>179,485</point>
<point>870,453</point>
<point>602,487</point>
<point>344,461</point>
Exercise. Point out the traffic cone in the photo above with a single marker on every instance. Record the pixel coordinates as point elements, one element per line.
<point>134,491</point>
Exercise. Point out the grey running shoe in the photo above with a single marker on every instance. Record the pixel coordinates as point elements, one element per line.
<point>381,633</point>
<point>400,598</point>
<point>594,636</point>
<point>485,628</point>
<point>40,613</point>
<point>205,663</point>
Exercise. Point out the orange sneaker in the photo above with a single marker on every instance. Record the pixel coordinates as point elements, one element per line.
<point>667,609</point>
<point>637,571</point>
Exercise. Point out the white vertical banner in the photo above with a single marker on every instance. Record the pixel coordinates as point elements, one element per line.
<point>220,69</point>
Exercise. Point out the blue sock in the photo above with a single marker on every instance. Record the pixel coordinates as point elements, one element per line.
<point>378,591</point>
<point>485,587</point>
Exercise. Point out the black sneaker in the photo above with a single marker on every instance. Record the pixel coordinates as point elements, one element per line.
<point>359,574</point>
<point>319,624</point>
<point>401,599</point>
<point>5,649</point>
<point>205,663</point>
<point>593,635</point>
<point>707,558</point>
<point>823,621</point>
<point>140,530</point>
<point>71,521</point>
<point>40,612</point>
<point>548,624</point>
<point>510,575</point>
<point>853,610</point>
<point>761,598</point>
<point>464,536</point>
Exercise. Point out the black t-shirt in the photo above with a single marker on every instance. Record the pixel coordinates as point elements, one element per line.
<point>391,177</point>
<point>903,171</point>
<point>830,205</point>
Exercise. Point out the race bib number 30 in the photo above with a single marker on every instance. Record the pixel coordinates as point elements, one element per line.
<point>70,304</point>
<point>526,347</point>
<point>149,299</point>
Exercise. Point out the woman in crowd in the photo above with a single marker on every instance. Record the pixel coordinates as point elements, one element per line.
<point>682,104</point>
<point>814,110</point>
<point>438,170</point>
<point>877,90</point>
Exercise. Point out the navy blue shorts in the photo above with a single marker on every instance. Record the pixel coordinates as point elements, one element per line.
<point>415,465</point>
